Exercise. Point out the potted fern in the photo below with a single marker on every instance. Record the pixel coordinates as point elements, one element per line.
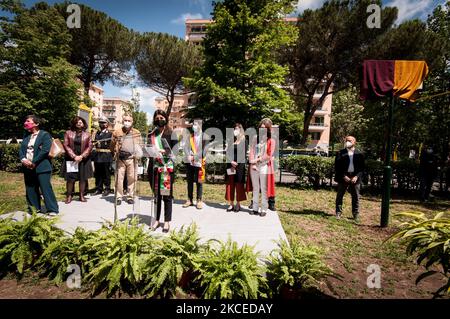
<point>22,242</point>
<point>170,267</point>
<point>295,271</point>
<point>429,240</point>
<point>227,271</point>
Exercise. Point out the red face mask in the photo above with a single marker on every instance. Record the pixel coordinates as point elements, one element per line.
<point>29,126</point>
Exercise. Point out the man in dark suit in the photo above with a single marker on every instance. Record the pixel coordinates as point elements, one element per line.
<point>37,168</point>
<point>102,158</point>
<point>349,167</point>
<point>428,169</point>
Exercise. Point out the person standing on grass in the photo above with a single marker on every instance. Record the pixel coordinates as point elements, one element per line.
<point>235,169</point>
<point>78,146</point>
<point>428,169</point>
<point>261,168</point>
<point>37,168</point>
<point>349,167</point>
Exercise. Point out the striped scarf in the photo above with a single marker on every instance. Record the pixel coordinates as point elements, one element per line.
<point>164,166</point>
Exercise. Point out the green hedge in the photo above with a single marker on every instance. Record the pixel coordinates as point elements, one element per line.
<point>9,159</point>
<point>310,170</point>
<point>315,171</point>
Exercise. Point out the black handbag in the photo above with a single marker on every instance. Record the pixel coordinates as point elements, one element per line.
<point>124,155</point>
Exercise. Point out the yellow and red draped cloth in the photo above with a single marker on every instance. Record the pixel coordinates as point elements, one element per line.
<point>164,166</point>
<point>202,168</point>
<point>401,78</point>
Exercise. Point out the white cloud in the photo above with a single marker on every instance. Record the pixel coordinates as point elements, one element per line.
<point>302,5</point>
<point>408,9</point>
<point>202,4</point>
<point>146,99</point>
<point>182,18</point>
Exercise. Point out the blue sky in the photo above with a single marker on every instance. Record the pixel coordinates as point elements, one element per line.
<point>169,15</point>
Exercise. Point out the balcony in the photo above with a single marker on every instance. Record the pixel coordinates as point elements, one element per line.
<point>320,112</point>
<point>317,127</point>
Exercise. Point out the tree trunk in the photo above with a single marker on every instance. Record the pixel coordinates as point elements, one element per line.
<point>170,98</point>
<point>307,119</point>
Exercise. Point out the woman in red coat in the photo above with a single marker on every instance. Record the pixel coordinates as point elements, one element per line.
<point>261,168</point>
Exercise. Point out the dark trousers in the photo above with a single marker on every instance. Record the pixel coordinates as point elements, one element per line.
<point>102,176</point>
<point>232,187</point>
<point>192,177</point>
<point>354,191</point>
<point>167,207</point>
<point>34,185</point>
<point>426,183</point>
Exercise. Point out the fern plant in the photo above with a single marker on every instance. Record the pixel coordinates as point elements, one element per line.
<point>22,242</point>
<point>170,267</point>
<point>118,257</point>
<point>429,240</point>
<point>68,250</point>
<point>227,271</point>
<point>297,267</point>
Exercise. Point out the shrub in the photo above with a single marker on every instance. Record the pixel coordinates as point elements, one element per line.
<point>230,272</point>
<point>22,242</point>
<point>171,266</point>
<point>117,257</point>
<point>429,240</point>
<point>296,268</point>
<point>310,170</point>
<point>9,158</point>
<point>64,252</point>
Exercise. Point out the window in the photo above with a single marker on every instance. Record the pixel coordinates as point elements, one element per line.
<point>315,136</point>
<point>319,121</point>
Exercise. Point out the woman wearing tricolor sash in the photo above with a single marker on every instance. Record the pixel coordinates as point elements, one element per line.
<point>161,168</point>
<point>195,162</point>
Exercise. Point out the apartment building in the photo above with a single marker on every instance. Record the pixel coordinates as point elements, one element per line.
<point>114,108</point>
<point>319,128</point>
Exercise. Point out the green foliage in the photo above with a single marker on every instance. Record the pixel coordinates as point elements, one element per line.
<point>171,265</point>
<point>163,60</point>
<point>9,159</point>
<point>117,256</point>
<point>36,78</point>
<point>22,242</point>
<point>429,240</point>
<point>240,80</point>
<point>69,250</point>
<point>332,41</point>
<point>310,170</point>
<point>103,48</point>
<point>298,267</point>
<point>228,271</point>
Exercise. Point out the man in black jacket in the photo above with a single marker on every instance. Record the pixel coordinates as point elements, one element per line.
<point>428,169</point>
<point>349,167</point>
<point>103,158</point>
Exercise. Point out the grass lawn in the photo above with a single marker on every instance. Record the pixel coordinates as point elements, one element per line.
<point>308,216</point>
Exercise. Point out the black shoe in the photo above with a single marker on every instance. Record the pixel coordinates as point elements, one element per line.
<point>237,208</point>
<point>263,214</point>
<point>118,202</point>
<point>130,201</point>
<point>106,192</point>
<point>99,192</point>
<point>230,208</point>
<point>255,212</point>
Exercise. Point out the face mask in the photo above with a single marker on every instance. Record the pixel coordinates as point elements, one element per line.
<point>29,126</point>
<point>195,128</point>
<point>348,144</point>
<point>127,124</point>
<point>161,123</point>
<point>236,133</point>
<point>429,151</point>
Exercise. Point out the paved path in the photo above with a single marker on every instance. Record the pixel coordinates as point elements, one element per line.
<point>213,220</point>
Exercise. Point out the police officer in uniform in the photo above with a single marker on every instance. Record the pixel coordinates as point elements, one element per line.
<point>103,158</point>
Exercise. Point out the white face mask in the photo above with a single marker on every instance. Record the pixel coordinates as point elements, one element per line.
<point>348,144</point>
<point>236,133</point>
<point>127,124</point>
<point>195,128</point>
